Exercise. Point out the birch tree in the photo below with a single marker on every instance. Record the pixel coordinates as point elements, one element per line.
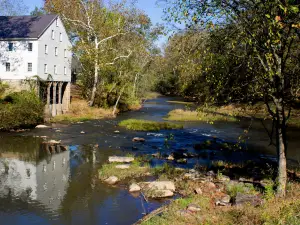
<point>93,27</point>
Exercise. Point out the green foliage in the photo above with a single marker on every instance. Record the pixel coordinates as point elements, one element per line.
<point>233,189</point>
<point>145,125</point>
<point>21,109</point>
<point>135,170</point>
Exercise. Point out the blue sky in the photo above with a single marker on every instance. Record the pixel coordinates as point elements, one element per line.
<point>154,11</point>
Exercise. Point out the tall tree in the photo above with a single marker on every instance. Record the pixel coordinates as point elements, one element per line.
<point>94,26</point>
<point>38,11</point>
<point>270,29</point>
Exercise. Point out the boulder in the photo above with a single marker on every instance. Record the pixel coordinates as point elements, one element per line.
<point>123,167</point>
<point>160,185</point>
<point>111,180</point>
<point>170,157</point>
<point>210,173</point>
<point>138,139</point>
<point>41,126</point>
<point>120,159</point>
<point>193,208</point>
<point>160,193</point>
<point>242,199</point>
<point>134,188</point>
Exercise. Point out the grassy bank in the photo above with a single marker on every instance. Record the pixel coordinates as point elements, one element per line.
<point>188,115</point>
<point>232,112</point>
<point>213,186</point>
<point>20,110</point>
<point>273,211</point>
<point>136,169</point>
<point>145,125</point>
<point>81,111</point>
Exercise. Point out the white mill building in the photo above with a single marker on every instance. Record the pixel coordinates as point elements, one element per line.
<point>37,48</point>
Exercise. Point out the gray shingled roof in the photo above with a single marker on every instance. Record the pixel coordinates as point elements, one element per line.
<point>24,26</point>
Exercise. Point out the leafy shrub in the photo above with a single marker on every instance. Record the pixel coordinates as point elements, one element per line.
<point>21,109</point>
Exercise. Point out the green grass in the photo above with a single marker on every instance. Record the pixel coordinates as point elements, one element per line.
<point>187,115</point>
<point>135,170</point>
<point>233,189</point>
<point>145,125</point>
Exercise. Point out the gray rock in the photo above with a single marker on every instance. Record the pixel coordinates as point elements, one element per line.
<point>41,126</point>
<point>242,199</point>
<point>120,159</point>
<point>160,185</point>
<point>170,157</point>
<point>193,208</point>
<point>123,167</point>
<point>137,139</point>
<point>134,188</point>
<point>210,173</point>
<point>112,180</point>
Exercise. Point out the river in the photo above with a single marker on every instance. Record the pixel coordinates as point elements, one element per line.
<point>63,188</point>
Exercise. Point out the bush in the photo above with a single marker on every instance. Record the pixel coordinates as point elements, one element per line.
<point>21,110</point>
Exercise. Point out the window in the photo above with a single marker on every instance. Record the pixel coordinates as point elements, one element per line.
<point>46,49</point>
<point>7,67</point>
<point>56,51</point>
<point>60,37</point>
<point>65,53</point>
<point>56,22</point>
<point>55,69</point>
<point>45,68</point>
<point>30,47</point>
<point>52,34</point>
<point>65,70</point>
<point>10,46</point>
<point>29,67</point>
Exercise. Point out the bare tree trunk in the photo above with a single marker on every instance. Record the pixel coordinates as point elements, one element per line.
<point>117,102</point>
<point>281,149</point>
<point>96,74</point>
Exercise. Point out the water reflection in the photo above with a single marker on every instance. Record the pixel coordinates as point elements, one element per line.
<point>41,177</point>
<point>49,184</point>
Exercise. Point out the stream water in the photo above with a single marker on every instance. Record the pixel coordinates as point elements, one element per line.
<point>63,189</point>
